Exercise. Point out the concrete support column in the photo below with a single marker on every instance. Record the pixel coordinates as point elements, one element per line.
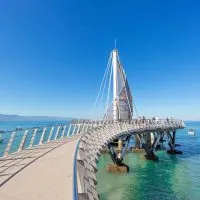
<point>120,144</point>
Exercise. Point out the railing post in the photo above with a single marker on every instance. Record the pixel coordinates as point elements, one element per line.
<point>78,129</point>
<point>74,129</point>
<point>81,128</point>
<point>63,132</point>
<point>57,132</point>
<point>69,130</point>
<point>87,127</point>
<point>50,134</point>
<point>84,126</point>
<point>9,143</point>
<point>33,137</point>
<point>42,136</point>
<point>23,140</point>
<point>92,125</point>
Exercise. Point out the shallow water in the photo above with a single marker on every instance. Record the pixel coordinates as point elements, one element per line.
<point>172,177</point>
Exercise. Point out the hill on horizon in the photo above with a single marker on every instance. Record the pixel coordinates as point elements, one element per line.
<point>32,118</point>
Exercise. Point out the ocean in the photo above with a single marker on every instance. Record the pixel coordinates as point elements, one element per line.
<point>173,177</point>
<point>11,125</point>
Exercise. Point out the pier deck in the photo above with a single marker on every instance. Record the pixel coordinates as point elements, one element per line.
<point>43,172</point>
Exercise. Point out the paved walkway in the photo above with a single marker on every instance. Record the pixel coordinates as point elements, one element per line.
<point>44,172</point>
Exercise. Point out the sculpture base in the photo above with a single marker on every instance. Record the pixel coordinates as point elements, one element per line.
<point>117,168</point>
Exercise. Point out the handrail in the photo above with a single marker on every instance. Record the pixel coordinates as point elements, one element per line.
<point>22,138</point>
<point>74,180</point>
<point>75,185</point>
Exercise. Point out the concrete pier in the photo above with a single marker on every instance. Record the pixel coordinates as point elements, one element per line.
<point>43,172</point>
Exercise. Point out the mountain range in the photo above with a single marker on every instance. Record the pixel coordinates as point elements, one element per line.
<point>32,118</point>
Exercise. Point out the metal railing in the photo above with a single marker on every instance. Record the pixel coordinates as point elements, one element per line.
<point>75,184</point>
<point>16,140</point>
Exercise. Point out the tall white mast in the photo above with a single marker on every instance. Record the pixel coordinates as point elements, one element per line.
<point>115,85</point>
<point>121,107</point>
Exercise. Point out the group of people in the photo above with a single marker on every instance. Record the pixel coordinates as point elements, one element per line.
<point>143,119</point>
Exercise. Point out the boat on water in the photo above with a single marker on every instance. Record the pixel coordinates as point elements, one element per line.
<point>191,132</point>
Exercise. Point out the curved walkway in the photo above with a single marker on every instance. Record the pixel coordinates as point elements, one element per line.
<point>92,142</point>
<point>44,172</point>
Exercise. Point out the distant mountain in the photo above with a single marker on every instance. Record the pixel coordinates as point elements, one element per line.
<point>32,118</point>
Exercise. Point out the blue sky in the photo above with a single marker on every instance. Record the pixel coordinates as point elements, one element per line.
<point>53,55</point>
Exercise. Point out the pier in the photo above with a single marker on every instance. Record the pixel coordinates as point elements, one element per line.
<point>39,173</point>
<point>59,162</point>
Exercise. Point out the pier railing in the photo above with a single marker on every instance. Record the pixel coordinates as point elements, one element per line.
<point>25,138</point>
<point>20,138</point>
<point>12,141</point>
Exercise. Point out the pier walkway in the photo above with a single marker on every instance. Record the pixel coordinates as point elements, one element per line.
<point>43,172</point>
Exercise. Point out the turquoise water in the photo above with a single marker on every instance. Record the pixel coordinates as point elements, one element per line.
<point>174,177</point>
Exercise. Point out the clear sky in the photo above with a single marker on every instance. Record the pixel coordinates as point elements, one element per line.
<point>53,55</point>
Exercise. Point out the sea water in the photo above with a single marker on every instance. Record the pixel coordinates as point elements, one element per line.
<point>11,125</point>
<point>173,177</point>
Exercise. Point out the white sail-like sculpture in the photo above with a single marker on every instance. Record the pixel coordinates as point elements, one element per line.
<point>121,108</point>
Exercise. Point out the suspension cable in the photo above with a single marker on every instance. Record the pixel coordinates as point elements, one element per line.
<point>109,65</point>
<point>102,83</point>
<point>108,94</point>
<point>135,108</point>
